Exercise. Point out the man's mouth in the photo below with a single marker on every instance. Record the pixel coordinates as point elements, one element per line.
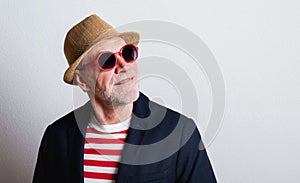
<point>124,81</point>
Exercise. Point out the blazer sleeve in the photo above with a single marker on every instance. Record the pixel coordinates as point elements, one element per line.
<point>193,162</point>
<point>40,172</point>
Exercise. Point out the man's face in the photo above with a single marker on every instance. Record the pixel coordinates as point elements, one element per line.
<point>118,86</point>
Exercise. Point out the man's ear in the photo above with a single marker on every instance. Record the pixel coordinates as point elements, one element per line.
<point>80,80</point>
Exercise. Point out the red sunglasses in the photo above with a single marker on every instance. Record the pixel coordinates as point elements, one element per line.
<point>108,60</point>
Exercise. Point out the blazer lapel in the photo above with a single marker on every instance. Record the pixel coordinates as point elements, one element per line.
<point>135,136</point>
<point>76,142</point>
<point>76,145</point>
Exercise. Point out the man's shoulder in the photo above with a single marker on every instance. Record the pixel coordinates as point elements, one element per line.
<point>64,121</point>
<point>169,113</point>
<point>163,121</point>
<point>158,109</point>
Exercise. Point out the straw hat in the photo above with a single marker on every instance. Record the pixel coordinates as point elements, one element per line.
<point>81,38</point>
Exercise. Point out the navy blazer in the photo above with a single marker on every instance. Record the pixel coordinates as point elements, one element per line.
<point>161,146</point>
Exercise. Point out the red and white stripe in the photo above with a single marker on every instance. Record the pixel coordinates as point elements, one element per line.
<point>102,151</point>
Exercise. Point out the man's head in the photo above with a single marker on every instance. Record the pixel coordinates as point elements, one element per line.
<point>119,84</point>
<point>83,44</point>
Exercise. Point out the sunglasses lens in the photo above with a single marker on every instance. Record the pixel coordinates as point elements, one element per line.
<point>107,61</point>
<point>129,53</point>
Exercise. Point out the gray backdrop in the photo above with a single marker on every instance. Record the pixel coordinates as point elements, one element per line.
<point>255,45</point>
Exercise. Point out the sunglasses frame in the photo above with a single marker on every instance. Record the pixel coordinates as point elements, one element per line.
<point>115,55</point>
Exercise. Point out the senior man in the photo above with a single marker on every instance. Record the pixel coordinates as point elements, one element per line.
<point>119,135</point>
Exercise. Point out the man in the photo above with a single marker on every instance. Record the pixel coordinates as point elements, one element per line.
<point>119,135</point>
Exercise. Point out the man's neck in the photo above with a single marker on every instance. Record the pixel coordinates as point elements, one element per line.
<point>107,113</point>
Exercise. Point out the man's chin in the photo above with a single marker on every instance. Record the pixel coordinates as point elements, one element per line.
<point>123,99</point>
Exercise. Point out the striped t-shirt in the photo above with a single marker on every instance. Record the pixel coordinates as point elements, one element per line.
<point>103,146</point>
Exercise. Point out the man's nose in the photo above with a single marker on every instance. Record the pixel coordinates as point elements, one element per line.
<point>121,64</point>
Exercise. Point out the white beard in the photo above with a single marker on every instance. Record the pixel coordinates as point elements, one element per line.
<point>120,94</point>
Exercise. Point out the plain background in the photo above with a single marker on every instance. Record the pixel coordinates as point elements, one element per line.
<point>256,45</point>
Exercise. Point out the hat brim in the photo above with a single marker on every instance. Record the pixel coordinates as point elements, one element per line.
<point>128,37</point>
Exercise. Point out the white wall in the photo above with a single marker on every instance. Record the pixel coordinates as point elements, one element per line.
<point>255,43</point>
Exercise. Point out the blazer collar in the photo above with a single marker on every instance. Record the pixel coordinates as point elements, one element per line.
<point>141,106</point>
<point>76,141</point>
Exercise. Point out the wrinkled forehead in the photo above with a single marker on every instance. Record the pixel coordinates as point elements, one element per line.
<point>112,44</point>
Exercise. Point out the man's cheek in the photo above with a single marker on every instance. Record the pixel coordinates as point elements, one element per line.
<point>104,85</point>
